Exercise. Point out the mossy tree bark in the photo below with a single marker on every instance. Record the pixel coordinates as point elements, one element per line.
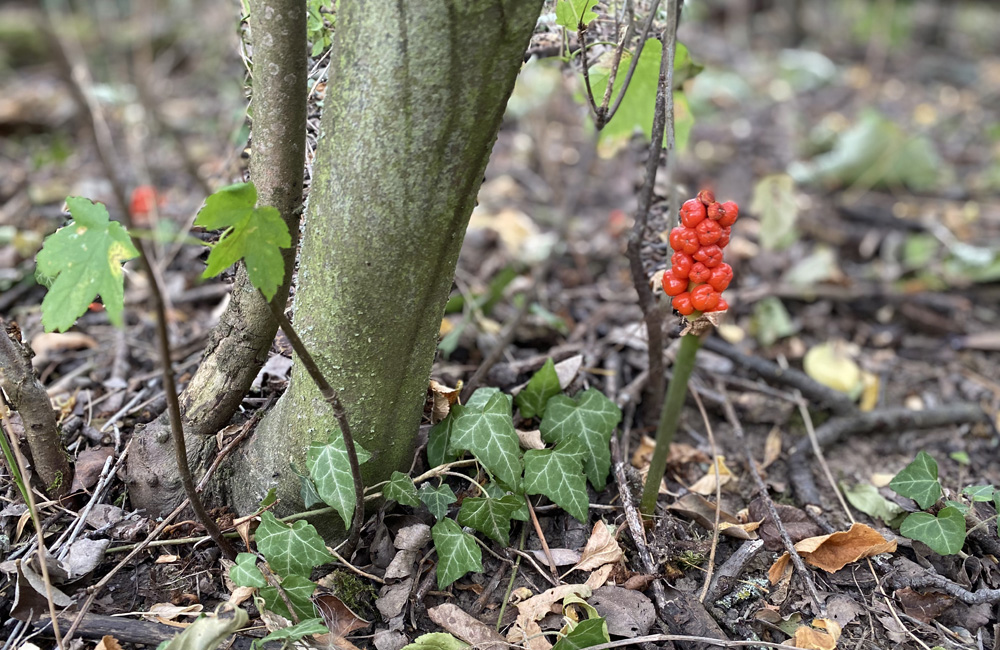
<point>416,96</point>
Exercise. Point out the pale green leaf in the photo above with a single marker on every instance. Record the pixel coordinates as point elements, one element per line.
<point>489,434</point>
<point>290,550</point>
<point>593,631</point>
<point>558,474</point>
<point>945,534</point>
<point>774,203</point>
<point>437,499</point>
<point>255,235</point>
<point>979,492</point>
<point>330,470</point>
<point>543,385</point>
<point>771,321</point>
<point>573,13</point>
<point>481,397</point>
<point>491,517</point>
<point>296,632</point>
<point>919,481</point>
<point>400,489</point>
<point>245,572</point>
<point>590,419</point>
<point>80,261</point>
<point>299,590</point>
<point>208,632</point>
<point>458,552</point>
<point>436,641</point>
<point>866,498</point>
<point>438,441</point>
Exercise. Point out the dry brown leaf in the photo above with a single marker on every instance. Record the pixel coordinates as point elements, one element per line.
<point>240,595</point>
<point>167,612</point>
<point>697,507</point>
<point>337,616</point>
<point>88,467</point>
<point>833,552</point>
<point>823,635</point>
<point>597,579</point>
<point>46,344</point>
<point>601,549</point>
<point>643,453</point>
<point>165,559</point>
<point>526,631</point>
<point>781,569</point>
<point>706,484</point>
<point>443,397</point>
<point>466,627</point>
<point>924,607</point>
<point>772,447</point>
<point>108,642</point>
<point>530,439</point>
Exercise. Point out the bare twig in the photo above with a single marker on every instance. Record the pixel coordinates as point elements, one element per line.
<point>545,544</point>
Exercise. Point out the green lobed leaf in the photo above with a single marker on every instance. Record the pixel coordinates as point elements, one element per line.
<point>437,499</point>
<point>436,641</point>
<point>299,590</point>
<point>400,489</point>
<point>330,470</point>
<point>979,492</point>
<point>438,441</point>
<point>962,507</point>
<point>481,397</point>
<point>588,420</point>
<point>207,632</point>
<point>866,498</point>
<point>558,474</point>
<point>458,552</point>
<point>491,517</point>
<point>543,385</point>
<point>919,481</point>
<point>495,491</point>
<point>294,633</point>
<point>80,261</point>
<point>290,550</point>
<point>245,572</point>
<point>945,534</point>
<point>593,631</point>
<point>489,434</point>
<point>573,13</point>
<point>255,235</point>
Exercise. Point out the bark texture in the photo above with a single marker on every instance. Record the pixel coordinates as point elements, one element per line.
<point>416,96</point>
<point>28,397</point>
<point>240,342</point>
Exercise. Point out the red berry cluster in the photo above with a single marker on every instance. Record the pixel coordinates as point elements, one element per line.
<point>697,275</point>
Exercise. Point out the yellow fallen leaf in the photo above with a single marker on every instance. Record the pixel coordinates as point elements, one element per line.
<point>772,447</point>
<point>829,364</point>
<point>706,484</point>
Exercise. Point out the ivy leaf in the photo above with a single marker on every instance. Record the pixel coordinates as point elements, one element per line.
<point>331,472</point>
<point>458,552</point>
<point>245,572</point>
<point>543,385</point>
<point>255,235</point>
<point>494,491</point>
<point>438,441</point>
<point>491,517</point>
<point>558,474</point>
<point>481,397</point>
<point>589,420</point>
<point>437,499</point>
<point>80,261</point>
<point>299,590</point>
<point>866,498</point>
<point>945,534</point>
<point>436,641</point>
<point>294,633</point>
<point>290,550</point>
<point>979,492</point>
<point>401,490</point>
<point>573,13</point>
<point>919,481</point>
<point>489,434</point>
<point>593,631</point>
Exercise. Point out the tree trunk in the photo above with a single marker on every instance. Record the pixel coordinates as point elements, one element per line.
<point>416,95</point>
<point>240,342</point>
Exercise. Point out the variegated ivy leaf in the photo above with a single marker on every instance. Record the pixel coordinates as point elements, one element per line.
<point>489,434</point>
<point>585,634</point>
<point>300,630</point>
<point>491,517</point>
<point>458,552</point>
<point>438,441</point>
<point>245,572</point>
<point>482,396</point>
<point>558,474</point>
<point>331,472</point>
<point>494,491</point>
<point>589,420</point>
<point>543,386</point>
<point>290,550</point>
<point>437,499</point>
<point>299,590</point>
<point>401,490</point>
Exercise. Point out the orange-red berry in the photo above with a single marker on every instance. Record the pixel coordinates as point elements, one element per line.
<point>705,298</point>
<point>720,277</point>
<point>723,305</point>
<point>724,239</point>
<point>730,213</point>
<point>699,273</point>
<point>710,256</point>
<point>714,211</point>
<point>673,285</point>
<point>707,197</point>
<point>684,239</point>
<point>680,264</point>
<point>692,213</point>
<point>682,303</point>
<point>709,232</point>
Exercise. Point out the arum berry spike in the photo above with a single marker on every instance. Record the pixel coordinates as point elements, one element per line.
<point>695,281</point>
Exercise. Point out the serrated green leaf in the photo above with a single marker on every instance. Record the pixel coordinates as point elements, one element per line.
<point>458,552</point>
<point>491,517</point>
<point>400,489</point>
<point>208,632</point>
<point>866,498</point>
<point>436,641</point>
<point>300,630</point>
<point>919,481</point>
<point>979,492</point>
<point>558,474</point>
<point>489,434</point>
<point>593,631</point>
<point>437,499</point>
<point>573,13</point>
<point>330,470</point>
<point>245,572</point>
<point>495,491</point>
<point>588,420</point>
<point>542,386</point>
<point>290,550</point>
<point>637,107</point>
<point>255,235</point>
<point>438,441</point>
<point>945,534</point>
<point>80,261</point>
<point>299,590</point>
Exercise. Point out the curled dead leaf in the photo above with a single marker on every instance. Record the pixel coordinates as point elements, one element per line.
<point>833,552</point>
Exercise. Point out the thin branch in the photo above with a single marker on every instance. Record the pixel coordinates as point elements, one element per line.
<point>545,544</point>
<point>582,29</point>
